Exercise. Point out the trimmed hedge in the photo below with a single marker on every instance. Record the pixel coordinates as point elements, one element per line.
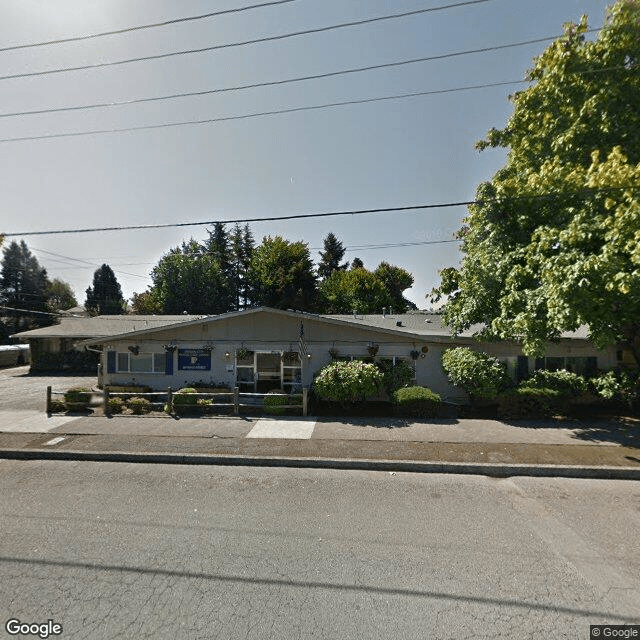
<point>139,405</point>
<point>527,402</point>
<point>416,402</point>
<point>563,381</point>
<point>272,403</point>
<point>348,381</point>
<point>183,399</point>
<point>77,398</point>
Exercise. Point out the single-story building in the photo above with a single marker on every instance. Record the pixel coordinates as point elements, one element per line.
<point>54,348</point>
<point>263,349</point>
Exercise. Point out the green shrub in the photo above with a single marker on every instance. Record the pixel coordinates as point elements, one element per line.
<point>617,385</point>
<point>115,405</point>
<point>479,374</point>
<point>348,381</point>
<point>184,398</point>
<point>395,376</point>
<point>139,405</point>
<point>273,403</point>
<point>565,382</point>
<point>525,402</point>
<point>417,402</point>
<point>77,398</point>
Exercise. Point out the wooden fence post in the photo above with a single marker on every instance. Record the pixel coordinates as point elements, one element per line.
<point>305,399</point>
<point>105,399</point>
<point>48,399</point>
<point>236,400</point>
<point>170,399</point>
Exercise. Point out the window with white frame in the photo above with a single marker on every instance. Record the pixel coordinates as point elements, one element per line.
<point>127,362</point>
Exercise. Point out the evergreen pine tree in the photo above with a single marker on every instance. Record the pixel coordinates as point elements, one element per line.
<point>23,286</point>
<point>331,256</point>
<point>105,297</point>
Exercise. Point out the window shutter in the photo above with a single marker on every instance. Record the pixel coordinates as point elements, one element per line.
<point>539,363</point>
<point>523,368</point>
<point>111,361</point>
<point>591,367</point>
<point>168,367</point>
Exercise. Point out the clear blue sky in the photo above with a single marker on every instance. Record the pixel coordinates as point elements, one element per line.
<point>383,154</point>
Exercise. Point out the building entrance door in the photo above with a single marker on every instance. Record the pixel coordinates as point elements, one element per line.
<point>268,371</point>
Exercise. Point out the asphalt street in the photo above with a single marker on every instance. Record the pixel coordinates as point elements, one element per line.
<point>168,551</point>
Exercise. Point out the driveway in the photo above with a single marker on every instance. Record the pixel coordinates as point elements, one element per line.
<point>23,398</point>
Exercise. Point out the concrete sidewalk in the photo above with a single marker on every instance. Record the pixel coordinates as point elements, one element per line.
<point>491,447</point>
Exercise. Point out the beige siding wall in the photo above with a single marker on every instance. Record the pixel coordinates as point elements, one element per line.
<point>273,332</point>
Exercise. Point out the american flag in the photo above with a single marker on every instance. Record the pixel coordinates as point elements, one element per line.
<point>302,344</point>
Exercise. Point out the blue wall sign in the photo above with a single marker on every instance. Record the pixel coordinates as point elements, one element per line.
<point>194,359</point>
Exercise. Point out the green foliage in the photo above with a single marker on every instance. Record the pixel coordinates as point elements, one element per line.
<point>23,285</point>
<point>77,398</point>
<point>395,280</point>
<point>184,398</point>
<point>69,361</point>
<point>617,385</point>
<point>395,376</point>
<point>565,382</point>
<point>139,405</point>
<point>479,374</point>
<point>146,303</point>
<point>188,279</point>
<point>115,405</point>
<point>331,257</point>
<point>348,381</point>
<point>281,275</point>
<point>273,403</point>
<point>554,241</point>
<point>105,296</point>
<point>60,296</point>
<point>344,291</point>
<point>526,402</point>
<point>416,402</point>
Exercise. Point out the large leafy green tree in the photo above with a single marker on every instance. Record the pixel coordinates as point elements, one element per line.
<point>331,257</point>
<point>187,280</point>
<point>554,239</point>
<point>281,275</point>
<point>104,297</point>
<point>23,289</point>
<point>60,295</point>
<point>355,290</point>
<point>396,280</point>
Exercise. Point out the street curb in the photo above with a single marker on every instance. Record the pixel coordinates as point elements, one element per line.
<point>411,466</point>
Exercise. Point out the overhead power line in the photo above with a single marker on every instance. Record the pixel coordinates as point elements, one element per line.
<point>271,83</point>
<point>300,216</point>
<point>258,114</point>
<point>153,25</point>
<point>41,313</point>
<point>243,43</point>
<point>90,265</point>
<point>239,220</point>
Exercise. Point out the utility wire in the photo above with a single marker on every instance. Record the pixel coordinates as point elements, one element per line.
<point>244,43</point>
<point>300,216</point>
<point>84,262</point>
<point>271,83</point>
<point>164,23</point>
<point>254,86</point>
<point>42,313</point>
